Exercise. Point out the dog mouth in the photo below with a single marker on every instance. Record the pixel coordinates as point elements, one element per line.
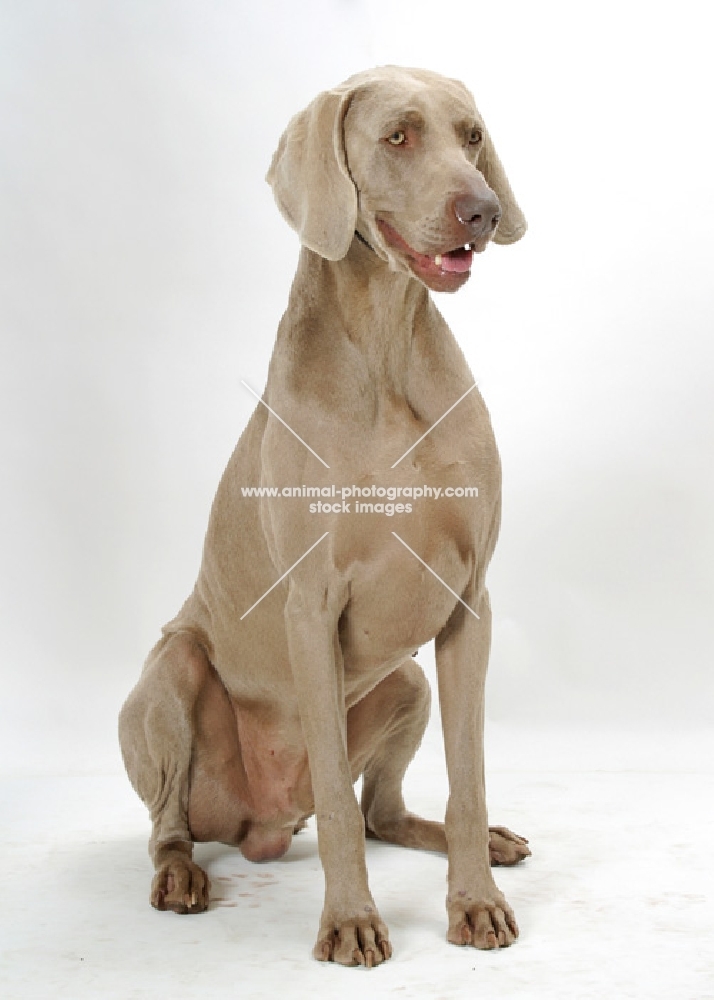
<point>447,267</point>
<point>454,261</point>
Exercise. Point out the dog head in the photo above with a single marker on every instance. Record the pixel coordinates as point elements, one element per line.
<point>403,157</point>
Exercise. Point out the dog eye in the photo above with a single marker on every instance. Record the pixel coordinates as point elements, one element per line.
<point>397,138</point>
<point>475,136</point>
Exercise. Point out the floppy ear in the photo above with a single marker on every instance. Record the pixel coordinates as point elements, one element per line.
<point>513,224</point>
<point>310,179</point>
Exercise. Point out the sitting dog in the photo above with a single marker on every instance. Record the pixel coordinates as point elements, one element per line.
<point>289,671</point>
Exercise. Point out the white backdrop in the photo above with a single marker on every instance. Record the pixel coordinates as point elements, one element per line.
<point>144,268</point>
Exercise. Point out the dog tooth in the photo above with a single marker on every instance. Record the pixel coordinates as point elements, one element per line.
<point>437,260</point>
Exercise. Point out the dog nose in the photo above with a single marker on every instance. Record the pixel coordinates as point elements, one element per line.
<point>480,211</point>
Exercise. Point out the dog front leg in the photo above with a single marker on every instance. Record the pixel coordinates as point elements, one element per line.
<point>351,930</point>
<point>478,912</point>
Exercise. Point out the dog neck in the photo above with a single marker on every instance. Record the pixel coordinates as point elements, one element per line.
<point>365,302</point>
<point>361,238</point>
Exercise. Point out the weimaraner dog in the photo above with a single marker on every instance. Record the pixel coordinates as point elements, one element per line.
<point>289,671</point>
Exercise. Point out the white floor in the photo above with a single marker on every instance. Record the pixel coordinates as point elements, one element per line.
<point>616,902</point>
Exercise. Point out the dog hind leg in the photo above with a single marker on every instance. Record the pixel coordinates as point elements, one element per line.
<point>384,732</point>
<point>156,737</point>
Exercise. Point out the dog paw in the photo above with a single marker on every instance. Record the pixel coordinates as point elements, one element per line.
<point>506,847</point>
<point>362,940</point>
<point>482,922</point>
<point>181,886</point>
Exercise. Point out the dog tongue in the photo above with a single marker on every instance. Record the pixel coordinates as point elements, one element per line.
<point>457,261</point>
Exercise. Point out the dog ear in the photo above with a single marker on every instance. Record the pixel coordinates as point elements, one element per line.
<point>310,179</point>
<point>513,224</point>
